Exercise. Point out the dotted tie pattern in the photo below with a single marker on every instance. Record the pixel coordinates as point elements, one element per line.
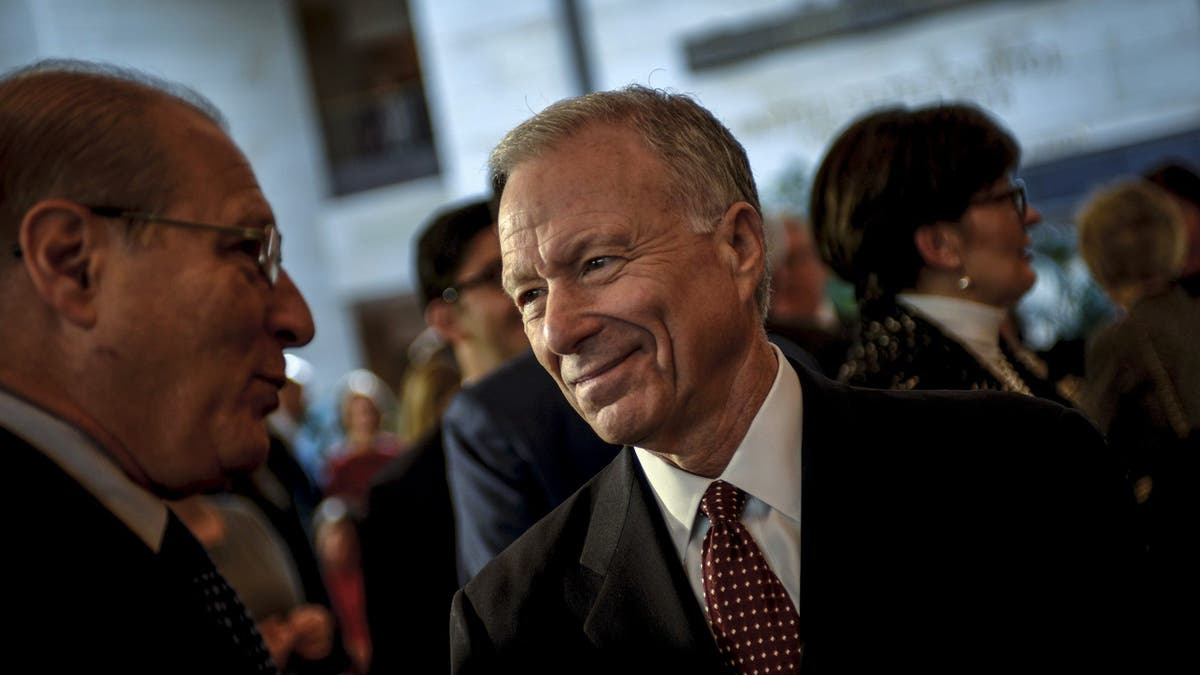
<point>756,626</point>
<point>221,603</point>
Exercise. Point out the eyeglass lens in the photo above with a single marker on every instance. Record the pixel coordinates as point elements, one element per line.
<point>271,258</point>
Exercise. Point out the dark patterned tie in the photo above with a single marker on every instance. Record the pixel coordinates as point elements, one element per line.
<point>234,629</point>
<point>756,626</point>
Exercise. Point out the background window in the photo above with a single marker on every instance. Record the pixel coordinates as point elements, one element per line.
<point>366,77</point>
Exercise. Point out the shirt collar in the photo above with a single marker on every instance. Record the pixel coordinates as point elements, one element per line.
<point>765,465</point>
<point>974,324</point>
<point>81,458</point>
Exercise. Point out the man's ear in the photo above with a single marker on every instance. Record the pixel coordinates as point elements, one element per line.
<point>442,318</point>
<point>63,251</point>
<point>741,234</point>
<point>940,245</point>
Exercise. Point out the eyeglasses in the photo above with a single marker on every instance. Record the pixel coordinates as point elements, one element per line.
<point>268,239</point>
<point>488,277</point>
<point>1016,193</point>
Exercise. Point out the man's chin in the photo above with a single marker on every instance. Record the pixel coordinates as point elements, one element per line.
<point>246,461</point>
<point>251,459</point>
<point>614,427</point>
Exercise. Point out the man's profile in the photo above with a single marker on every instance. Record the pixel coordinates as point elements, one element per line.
<point>144,316</point>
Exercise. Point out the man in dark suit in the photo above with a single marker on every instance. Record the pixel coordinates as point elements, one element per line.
<point>409,532</point>
<point>144,317</point>
<point>935,532</point>
<point>514,450</point>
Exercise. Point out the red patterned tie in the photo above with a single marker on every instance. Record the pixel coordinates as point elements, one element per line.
<point>756,626</point>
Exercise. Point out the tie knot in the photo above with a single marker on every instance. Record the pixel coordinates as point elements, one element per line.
<point>722,502</point>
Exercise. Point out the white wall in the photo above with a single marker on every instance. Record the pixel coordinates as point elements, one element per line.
<point>1066,75</point>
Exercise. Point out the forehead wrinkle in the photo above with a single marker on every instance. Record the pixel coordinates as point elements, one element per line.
<point>511,227</point>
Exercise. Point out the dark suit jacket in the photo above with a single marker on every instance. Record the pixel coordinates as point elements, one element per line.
<point>896,348</point>
<point>515,449</point>
<point>941,532</point>
<point>1143,390</point>
<point>408,561</point>
<point>85,594</point>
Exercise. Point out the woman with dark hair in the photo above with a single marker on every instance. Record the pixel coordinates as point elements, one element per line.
<point>919,209</point>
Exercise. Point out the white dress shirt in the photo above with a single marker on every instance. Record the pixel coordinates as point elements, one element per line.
<point>81,457</point>
<point>766,466</point>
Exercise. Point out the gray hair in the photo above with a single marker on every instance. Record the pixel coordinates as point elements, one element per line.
<point>86,131</point>
<point>707,166</point>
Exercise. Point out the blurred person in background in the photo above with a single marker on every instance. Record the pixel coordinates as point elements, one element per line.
<point>921,210</point>
<point>409,529</point>
<point>336,527</point>
<point>459,267</point>
<point>800,309</point>
<point>251,554</point>
<point>1143,389</point>
<point>363,404</point>
<point>427,388</point>
<point>1182,183</point>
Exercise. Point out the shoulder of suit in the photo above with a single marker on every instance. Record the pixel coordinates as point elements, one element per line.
<point>552,547</point>
<point>521,375</point>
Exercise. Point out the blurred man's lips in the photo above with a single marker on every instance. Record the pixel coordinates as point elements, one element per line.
<point>268,399</point>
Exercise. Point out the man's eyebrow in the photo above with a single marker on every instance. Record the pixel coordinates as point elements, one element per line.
<point>259,219</point>
<point>511,277</point>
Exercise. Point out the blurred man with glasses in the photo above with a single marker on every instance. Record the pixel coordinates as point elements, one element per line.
<point>145,315</point>
<point>458,283</point>
<point>459,272</point>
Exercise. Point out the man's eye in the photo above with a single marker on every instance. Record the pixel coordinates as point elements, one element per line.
<point>526,297</point>
<point>249,247</point>
<point>596,263</point>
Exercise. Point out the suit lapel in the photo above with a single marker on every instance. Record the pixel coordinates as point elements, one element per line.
<point>640,592</point>
<point>642,595</point>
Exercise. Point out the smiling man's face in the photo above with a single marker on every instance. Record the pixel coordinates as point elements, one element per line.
<point>635,314</point>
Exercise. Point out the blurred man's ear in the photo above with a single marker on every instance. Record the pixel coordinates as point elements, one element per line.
<point>741,232</point>
<point>63,249</point>
<point>940,245</point>
<point>442,318</point>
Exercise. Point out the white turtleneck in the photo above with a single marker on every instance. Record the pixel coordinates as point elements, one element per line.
<point>973,324</point>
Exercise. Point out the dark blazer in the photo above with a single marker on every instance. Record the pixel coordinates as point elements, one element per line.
<point>1143,390</point>
<point>1143,384</point>
<point>515,449</point>
<point>85,594</point>
<point>896,348</point>
<point>941,532</point>
<point>408,561</point>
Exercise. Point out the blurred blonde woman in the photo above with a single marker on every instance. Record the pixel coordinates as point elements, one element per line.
<point>1143,389</point>
<point>426,391</point>
<point>1143,371</point>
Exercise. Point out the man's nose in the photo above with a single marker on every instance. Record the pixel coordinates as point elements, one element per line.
<point>1032,216</point>
<point>568,320</point>
<point>288,316</point>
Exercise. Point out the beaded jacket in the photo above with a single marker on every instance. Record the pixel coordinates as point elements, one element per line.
<point>897,348</point>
